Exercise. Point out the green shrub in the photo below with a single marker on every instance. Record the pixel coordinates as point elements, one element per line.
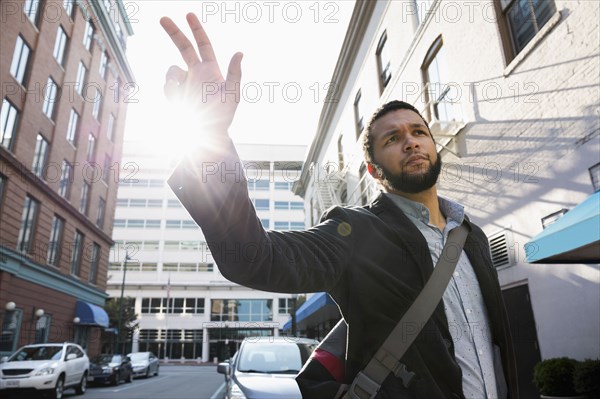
<point>586,378</point>
<point>554,377</point>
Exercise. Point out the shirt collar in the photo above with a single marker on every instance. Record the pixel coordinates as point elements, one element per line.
<point>451,209</point>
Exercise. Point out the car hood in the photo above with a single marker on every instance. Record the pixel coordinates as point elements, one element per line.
<point>269,386</point>
<point>103,364</point>
<point>140,363</point>
<point>29,364</point>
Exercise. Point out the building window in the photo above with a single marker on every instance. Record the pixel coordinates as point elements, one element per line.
<point>66,178</point>
<point>11,326</point>
<point>76,253</point>
<point>69,7</point>
<point>28,221</point>
<point>423,8</point>
<point>261,204</point>
<point>50,93</point>
<point>283,185</point>
<point>84,198</point>
<point>265,223</point>
<point>40,156</point>
<point>31,9</point>
<point>173,203</point>
<point>111,127</point>
<point>103,65</point>
<point>94,260</point>
<point>106,169</point>
<point>9,117</point>
<point>97,104</point>
<point>521,20</point>
<point>81,73</point>
<point>383,62</point>
<point>56,233</point>
<point>72,128</point>
<point>595,176</point>
<point>260,185</point>
<point>59,46</point>
<point>42,327</point>
<point>435,82</point>
<point>241,310</point>
<point>20,59</point>
<point>91,147</point>
<point>2,185</point>
<point>285,306</point>
<point>358,116</point>
<point>100,214</point>
<point>88,35</point>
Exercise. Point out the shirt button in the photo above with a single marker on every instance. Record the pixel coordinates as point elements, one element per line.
<point>456,274</point>
<point>469,311</point>
<point>480,352</point>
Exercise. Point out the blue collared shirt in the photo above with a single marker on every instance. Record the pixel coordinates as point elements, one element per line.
<point>463,303</point>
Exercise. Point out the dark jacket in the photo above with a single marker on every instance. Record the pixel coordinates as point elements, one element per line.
<point>372,260</point>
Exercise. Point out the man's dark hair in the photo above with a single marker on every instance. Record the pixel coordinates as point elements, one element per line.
<point>384,110</point>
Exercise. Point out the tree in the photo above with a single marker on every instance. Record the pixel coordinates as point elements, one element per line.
<point>129,324</point>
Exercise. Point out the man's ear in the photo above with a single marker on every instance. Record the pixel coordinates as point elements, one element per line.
<point>374,171</point>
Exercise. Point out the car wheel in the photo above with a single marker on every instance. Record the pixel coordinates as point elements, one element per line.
<point>81,388</point>
<point>156,372</point>
<point>57,392</point>
<point>130,379</point>
<point>148,372</point>
<point>115,380</point>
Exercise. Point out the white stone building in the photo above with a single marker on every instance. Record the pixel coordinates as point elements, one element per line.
<point>511,92</point>
<point>207,315</point>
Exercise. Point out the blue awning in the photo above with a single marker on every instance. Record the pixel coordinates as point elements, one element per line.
<point>90,314</point>
<point>574,238</point>
<point>313,304</point>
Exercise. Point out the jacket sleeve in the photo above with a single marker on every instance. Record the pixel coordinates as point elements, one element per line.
<point>211,185</point>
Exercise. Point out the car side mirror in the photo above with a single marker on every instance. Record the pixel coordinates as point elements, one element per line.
<point>71,356</point>
<point>4,359</point>
<point>223,368</point>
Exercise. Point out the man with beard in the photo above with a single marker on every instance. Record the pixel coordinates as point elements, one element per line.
<point>372,260</point>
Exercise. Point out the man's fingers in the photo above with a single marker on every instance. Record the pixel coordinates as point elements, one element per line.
<point>174,78</point>
<point>189,54</point>
<point>234,72</point>
<point>204,46</point>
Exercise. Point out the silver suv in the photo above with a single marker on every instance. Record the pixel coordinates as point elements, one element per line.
<point>266,368</point>
<point>45,367</point>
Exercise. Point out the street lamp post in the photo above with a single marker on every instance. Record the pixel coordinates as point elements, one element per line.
<point>294,301</point>
<point>121,303</point>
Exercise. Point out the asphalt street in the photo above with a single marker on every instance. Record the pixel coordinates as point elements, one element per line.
<point>173,382</point>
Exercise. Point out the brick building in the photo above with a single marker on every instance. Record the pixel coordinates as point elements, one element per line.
<point>64,77</point>
<point>511,91</point>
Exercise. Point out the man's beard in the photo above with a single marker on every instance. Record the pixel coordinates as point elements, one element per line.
<point>412,183</point>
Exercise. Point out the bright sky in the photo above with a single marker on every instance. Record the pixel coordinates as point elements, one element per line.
<point>290,50</point>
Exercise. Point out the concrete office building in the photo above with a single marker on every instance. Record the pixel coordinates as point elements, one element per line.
<point>61,135</point>
<point>510,90</point>
<point>186,308</point>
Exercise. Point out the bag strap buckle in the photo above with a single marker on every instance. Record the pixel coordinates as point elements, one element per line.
<point>402,372</point>
<point>363,387</point>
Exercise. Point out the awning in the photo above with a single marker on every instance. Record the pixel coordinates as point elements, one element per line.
<point>90,314</point>
<point>317,309</point>
<point>574,238</point>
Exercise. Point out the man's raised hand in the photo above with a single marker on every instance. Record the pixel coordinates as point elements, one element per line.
<point>202,86</point>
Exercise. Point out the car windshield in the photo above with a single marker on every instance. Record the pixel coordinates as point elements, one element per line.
<point>270,357</point>
<point>138,356</point>
<point>106,359</point>
<point>37,353</point>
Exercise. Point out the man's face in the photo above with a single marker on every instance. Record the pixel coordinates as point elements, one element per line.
<point>404,153</point>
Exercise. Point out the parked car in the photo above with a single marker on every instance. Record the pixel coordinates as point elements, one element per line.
<point>144,364</point>
<point>109,368</point>
<point>266,367</point>
<point>51,368</point>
